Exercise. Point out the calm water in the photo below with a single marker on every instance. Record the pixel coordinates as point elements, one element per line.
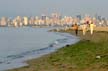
<point>20,44</point>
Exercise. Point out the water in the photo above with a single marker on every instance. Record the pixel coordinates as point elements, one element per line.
<point>20,44</point>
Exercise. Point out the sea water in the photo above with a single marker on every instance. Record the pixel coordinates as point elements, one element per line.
<point>20,44</point>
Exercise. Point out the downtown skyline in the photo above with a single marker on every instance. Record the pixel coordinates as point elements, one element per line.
<point>55,19</point>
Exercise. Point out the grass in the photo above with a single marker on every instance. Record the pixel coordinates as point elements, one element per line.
<point>78,57</point>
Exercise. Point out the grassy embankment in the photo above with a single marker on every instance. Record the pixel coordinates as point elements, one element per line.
<point>78,57</point>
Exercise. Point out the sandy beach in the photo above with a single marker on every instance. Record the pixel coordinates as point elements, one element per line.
<point>78,57</point>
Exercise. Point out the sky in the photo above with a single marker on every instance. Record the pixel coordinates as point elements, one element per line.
<point>11,8</point>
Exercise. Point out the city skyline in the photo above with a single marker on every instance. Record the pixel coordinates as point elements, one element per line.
<point>12,8</point>
<point>55,19</point>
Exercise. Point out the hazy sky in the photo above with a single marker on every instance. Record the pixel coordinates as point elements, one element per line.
<point>66,7</point>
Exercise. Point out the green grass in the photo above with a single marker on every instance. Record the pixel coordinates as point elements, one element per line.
<point>83,54</point>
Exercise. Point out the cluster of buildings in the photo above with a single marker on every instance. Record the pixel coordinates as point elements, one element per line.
<point>55,19</point>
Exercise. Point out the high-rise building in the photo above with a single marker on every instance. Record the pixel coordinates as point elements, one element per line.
<point>56,18</point>
<point>78,16</point>
<point>19,21</point>
<point>43,17</point>
<point>3,21</point>
<point>31,21</point>
<point>25,21</point>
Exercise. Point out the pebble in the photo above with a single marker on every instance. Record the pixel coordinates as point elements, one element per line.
<point>98,57</point>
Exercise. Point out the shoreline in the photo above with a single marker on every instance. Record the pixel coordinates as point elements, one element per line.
<point>51,48</point>
<point>45,57</point>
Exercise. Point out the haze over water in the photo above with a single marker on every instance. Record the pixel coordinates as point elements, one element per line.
<point>13,8</point>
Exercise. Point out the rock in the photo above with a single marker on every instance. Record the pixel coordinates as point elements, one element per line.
<point>56,42</point>
<point>98,57</point>
<point>67,45</point>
